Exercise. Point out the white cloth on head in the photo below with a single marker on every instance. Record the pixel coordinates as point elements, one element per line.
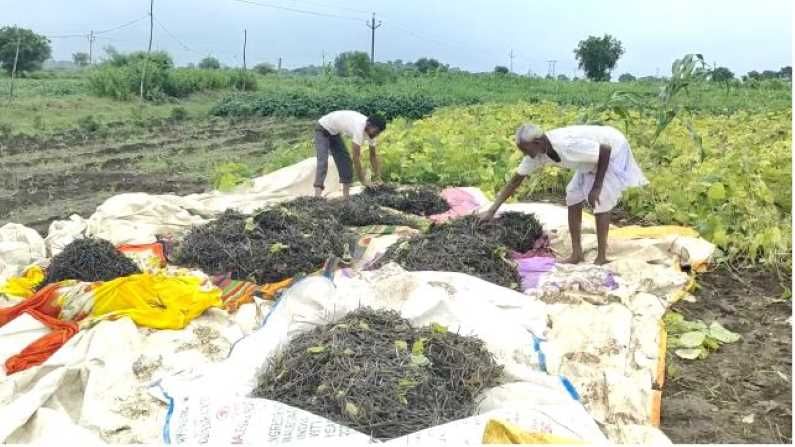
<point>578,148</point>
<point>348,123</point>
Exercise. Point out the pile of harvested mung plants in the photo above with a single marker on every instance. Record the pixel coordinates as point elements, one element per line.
<point>375,373</point>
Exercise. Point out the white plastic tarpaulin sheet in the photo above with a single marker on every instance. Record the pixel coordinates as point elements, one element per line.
<point>508,323</point>
<point>603,340</point>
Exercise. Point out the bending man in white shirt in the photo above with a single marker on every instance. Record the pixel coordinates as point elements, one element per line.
<point>328,139</point>
<point>604,167</point>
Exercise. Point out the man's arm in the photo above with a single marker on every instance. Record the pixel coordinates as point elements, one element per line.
<point>601,169</point>
<point>507,191</point>
<point>375,163</point>
<point>357,162</point>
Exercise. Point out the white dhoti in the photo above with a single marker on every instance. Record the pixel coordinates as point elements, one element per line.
<point>622,173</point>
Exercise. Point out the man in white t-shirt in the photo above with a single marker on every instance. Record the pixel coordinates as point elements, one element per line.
<point>604,167</point>
<point>328,139</point>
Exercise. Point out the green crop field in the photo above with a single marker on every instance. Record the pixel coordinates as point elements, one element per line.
<point>443,125</point>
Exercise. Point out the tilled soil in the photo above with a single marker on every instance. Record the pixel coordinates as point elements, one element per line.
<point>741,393</point>
<point>49,178</point>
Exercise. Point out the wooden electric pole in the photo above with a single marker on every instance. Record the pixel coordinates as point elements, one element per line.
<point>91,40</point>
<point>149,48</point>
<point>510,55</point>
<point>14,67</point>
<point>243,70</point>
<point>372,25</point>
<point>245,39</point>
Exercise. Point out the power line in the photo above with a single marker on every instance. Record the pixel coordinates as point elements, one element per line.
<point>300,11</point>
<point>130,23</point>
<point>326,5</point>
<point>431,39</point>
<point>66,36</point>
<point>176,39</point>
<point>115,28</point>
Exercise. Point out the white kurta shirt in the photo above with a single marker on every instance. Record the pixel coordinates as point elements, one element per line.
<point>577,146</point>
<point>348,123</point>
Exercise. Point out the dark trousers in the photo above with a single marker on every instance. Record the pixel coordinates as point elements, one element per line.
<point>326,143</point>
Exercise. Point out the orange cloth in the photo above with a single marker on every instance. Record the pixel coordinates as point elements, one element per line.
<point>42,301</point>
<point>143,250</point>
<point>42,307</point>
<point>45,346</point>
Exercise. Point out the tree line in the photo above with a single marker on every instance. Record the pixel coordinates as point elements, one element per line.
<point>596,56</point>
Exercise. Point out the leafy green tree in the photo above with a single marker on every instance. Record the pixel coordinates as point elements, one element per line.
<point>563,77</point>
<point>80,59</point>
<point>264,68</point>
<point>429,65</point>
<point>786,72</point>
<point>722,75</point>
<point>160,59</point>
<point>753,74</point>
<point>500,69</point>
<point>34,49</point>
<point>626,77</point>
<point>598,56</point>
<point>209,63</point>
<point>770,74</point>
<point>353,64</point>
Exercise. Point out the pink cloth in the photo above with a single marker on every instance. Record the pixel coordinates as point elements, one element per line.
<point>461,203</point>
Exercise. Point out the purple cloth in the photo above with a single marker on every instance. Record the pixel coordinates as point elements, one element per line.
<point>610,281</point>
<point>531,269</point>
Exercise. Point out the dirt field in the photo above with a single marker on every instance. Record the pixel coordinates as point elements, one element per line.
<point>743,392</point>
<point>74,172</point>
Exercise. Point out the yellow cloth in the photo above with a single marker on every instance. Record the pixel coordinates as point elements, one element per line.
<point>155,300</point>
<point>660,231</point>
<point>500,432</point>
<point>21,287</point>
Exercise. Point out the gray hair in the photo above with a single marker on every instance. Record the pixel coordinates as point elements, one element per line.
<point>528,132</point>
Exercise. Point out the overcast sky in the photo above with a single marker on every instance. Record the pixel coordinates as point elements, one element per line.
<point>475,35</point>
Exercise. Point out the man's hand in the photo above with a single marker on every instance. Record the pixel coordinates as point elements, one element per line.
<point>593,196</point>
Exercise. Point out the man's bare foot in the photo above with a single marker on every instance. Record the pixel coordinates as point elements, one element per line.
<point>601,261</point>
<point>573,259</point>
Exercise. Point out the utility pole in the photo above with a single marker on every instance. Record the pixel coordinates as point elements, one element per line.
<point>510,55</point>
<point>323,55</point>
<point>372,25</point>
<point>280,63</point>
<point>149,48</point>
<point>91,40</point>
<point>551,70</point>
<point>14,68</point>
<point>243,70</point>
<point>245,39</point>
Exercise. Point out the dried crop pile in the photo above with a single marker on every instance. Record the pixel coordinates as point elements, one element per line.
<point>420,200</point>
<point>375,373</point>
<point>89,260</point>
